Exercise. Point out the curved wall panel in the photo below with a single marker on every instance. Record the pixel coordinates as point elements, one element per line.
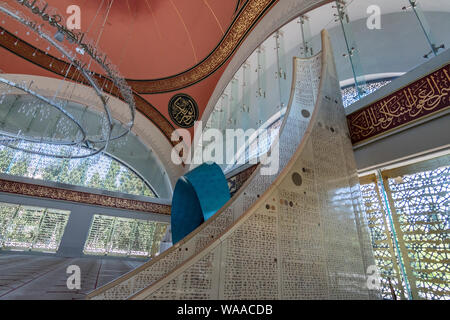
<point>324,205</point>
<point>291,133</point>
<point>303,238</point>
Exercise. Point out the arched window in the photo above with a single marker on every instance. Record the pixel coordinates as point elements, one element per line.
<point>99,172</point>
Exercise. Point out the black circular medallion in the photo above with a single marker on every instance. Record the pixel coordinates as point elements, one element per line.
<point>297,179</point>
<point>305,113</point>
<point>183,110</point>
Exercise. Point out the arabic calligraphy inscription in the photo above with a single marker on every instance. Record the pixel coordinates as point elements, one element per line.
<point>183,110</point>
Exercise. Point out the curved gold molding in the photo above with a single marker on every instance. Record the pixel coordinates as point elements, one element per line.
<point>245,20</point>
<point>250,13</point>
<point>38,57</point>
<point>40,191</point>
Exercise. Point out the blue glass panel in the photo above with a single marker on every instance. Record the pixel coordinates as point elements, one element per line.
<point>197,197</point>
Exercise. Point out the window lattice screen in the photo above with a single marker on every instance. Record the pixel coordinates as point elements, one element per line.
<point>98,172</point>
<point>413,201</point>
<point>380,233</point>
<point>31,228</point>
<point>124,237</point>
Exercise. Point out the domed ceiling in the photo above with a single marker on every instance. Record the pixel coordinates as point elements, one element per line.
<point>162,47</point>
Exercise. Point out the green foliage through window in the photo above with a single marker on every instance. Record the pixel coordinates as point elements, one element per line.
<point>31,228</point>
<point>114,236</point>
<point>99,172</point>
<point>409,220</point>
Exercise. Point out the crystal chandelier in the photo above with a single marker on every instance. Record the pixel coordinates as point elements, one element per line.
<point>82,65</point>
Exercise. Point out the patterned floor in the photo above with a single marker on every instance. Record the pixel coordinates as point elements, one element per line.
<point>44,278</point>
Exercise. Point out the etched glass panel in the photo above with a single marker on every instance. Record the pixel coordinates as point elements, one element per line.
<point>381,237</point>
<point>115,236</point>
<point>422,206</point>
<point>31,228</point>
<point>98,172</point>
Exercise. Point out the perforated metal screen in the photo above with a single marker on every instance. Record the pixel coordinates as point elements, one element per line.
<point>408,211</point>
<point>31,228</point>
<point>116,236</point>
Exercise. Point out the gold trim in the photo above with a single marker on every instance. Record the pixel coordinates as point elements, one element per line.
<point>249,15</point>
<point>398,129</point>
<point>409,123</point>
<point>253,11</point>
<point>34,190</point>
<point>368,179</point>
